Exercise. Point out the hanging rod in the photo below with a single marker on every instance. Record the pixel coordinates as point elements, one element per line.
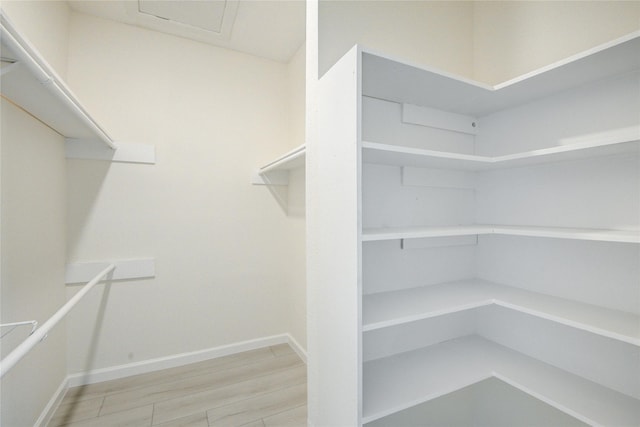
<point>41,333</point>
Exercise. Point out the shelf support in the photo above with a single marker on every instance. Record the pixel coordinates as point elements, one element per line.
<point>123,152</point>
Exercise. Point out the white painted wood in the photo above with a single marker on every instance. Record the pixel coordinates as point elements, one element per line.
<point>389,233</point>
<point>490,402</point>
<point>402,381</point>
<point>295,345</point>
<point>598,273</point>
<point>387,309</point>
<point>387,267</point>
<point>333,249</point>
<point>623,236</point>
<point>603,111</point>
<point>576,122</point>
<point>591,193</point>
<point>33,85</point>
<point>275,177</point>
<point>382,123</point>
<point>53,404</point>
<point>151,365</point>
<point>386,154</point>
<point>388,203</point>
<point>386,78</point>
<point>292,160</point>
<point>125,152</point>
<point>125,269</point>
<point>431,117</point>
<point>443,178</point>
<point>577,351</point>
<point>437,242</point>
<point>276,172</point>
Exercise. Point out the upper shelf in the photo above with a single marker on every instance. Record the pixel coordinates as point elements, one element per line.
<point>31,83</point>
<point>627,142</point>
<point>393,80</point>
<point>277,171</point>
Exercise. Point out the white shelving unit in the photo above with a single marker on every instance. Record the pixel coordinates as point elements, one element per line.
<point>466,232</point>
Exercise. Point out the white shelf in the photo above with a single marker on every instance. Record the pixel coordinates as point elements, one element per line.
<point>627,143</point>
<point>391,233</point>
<point>31,83</point>
<point>386,309</point>
<point>276,172</point>
<point>386,78</point>
<point>291,160</point>
<point>396,383</point>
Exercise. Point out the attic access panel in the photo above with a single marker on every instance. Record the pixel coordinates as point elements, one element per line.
<point>215,16</point>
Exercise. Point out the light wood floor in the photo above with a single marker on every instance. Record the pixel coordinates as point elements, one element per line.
<point>258,388</point>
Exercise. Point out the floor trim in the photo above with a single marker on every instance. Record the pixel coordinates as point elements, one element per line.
<point>160,363</point>
<point>295,345</point>
<point>52,405</point>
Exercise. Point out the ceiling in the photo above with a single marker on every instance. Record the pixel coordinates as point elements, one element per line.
<point>272,29</point>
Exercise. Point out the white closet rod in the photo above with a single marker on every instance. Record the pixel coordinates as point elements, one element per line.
<point>29,56</point>
<point>39,334</point>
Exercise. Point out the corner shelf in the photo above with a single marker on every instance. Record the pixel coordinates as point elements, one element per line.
<point>579,109</point>
<point>625,142</point>
<point>391,233</point>
<point>395,80</point>
<point>30,82</point>
<point>393,308</point>
<point>276,172</point>
<point>399,382</point>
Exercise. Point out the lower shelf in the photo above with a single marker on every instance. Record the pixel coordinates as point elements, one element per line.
<point>391,233</point>
<point>399,382</point>
<point>490,402</point>
<point>394,308</point>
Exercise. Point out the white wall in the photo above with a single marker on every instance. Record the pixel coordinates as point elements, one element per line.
<point>214,115</point>
<point>438,34</point>
<point>296,264</point>
<point>514,37</point>
<point>33,228</point>
<point>46,24</point>
<point>33,259</point>
<point>490,41</point>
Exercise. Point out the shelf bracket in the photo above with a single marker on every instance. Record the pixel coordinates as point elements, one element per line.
<point>12,65</point>
<point>276,177</point>
<point>123,153</point>
<point>127,269</point>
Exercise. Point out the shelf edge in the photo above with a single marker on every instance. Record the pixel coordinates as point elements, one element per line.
<point>28,55</point>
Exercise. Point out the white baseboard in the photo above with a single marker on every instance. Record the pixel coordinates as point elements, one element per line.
<point>53,404</point>
<point>160,363</point>
<point>172,361</point>
<point>295,345</point>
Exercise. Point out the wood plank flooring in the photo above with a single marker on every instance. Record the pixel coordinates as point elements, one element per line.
<point>258,388</point>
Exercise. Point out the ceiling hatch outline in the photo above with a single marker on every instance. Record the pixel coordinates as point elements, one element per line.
<point>200,20</point>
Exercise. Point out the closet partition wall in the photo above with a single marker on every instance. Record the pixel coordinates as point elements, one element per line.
<point>478,241</point>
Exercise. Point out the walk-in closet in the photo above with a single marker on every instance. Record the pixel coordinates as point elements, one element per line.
<point>320,212</point>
